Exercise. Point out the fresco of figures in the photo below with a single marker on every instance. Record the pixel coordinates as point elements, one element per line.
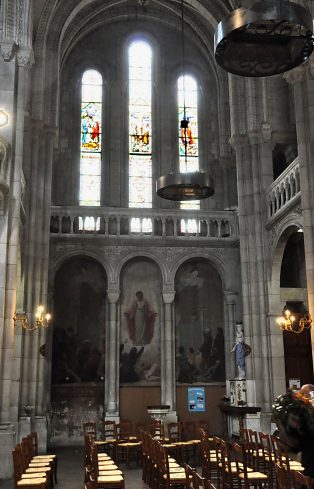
<point>200,348</point>
<point>140,323</point>
<point>79,326</point>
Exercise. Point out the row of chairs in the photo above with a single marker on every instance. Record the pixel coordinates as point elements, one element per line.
<point>101,470</point>
<point>182,431</point>
<point>30,469</point>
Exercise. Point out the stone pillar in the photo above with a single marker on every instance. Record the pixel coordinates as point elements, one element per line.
<point>302,78</point>
<point>112,358</point>
<point>7,444</point>
<point>253,175</point>
<point>168,376</point>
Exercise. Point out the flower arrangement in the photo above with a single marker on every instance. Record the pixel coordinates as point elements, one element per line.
<point>294,413</point>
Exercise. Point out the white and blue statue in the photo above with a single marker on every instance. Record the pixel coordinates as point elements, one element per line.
<point>240,353</point>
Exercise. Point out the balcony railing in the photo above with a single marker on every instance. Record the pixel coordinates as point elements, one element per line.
<point>143,222</point>
<point>284,190</point>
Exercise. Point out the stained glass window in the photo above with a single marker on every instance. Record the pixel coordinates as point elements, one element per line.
<point>90,161</point>
<point>140,130</point>
<point>188,139</point>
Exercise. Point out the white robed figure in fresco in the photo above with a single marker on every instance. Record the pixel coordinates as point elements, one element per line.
<point>141,321</point>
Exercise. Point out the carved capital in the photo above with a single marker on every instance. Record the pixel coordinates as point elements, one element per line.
<point>168,297</point>
<point>25,58</point>
<point>113,296</point>
<point>238,141</point>
<point>8,49</point>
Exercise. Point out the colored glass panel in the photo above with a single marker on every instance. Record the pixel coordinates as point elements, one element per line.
<point>90,159</point>
<point>188,140</point>
<point>140,132</point>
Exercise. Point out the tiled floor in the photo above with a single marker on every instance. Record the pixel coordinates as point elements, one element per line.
<point>71,471</point>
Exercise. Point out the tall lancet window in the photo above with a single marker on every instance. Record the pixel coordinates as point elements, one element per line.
<point>140,132</point>
<point>188,140</point>
<point>90,161</point>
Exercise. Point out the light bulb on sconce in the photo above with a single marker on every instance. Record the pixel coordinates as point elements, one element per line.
<point>42,319</point>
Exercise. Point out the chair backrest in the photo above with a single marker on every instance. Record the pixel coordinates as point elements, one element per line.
<point>90,428</point>
<point>174,432</point>
<point>302,481</point>
<point>193,479</point>
<point>17,464</point>
<point>282,477</point>
<point>127,424</point>
<point>189,429</point>
<point>139,427</point>
<point>264,443</point>
<point>122,431</point>
<point>156,429</point>
<point>107,428</point>
<point>203,434</point>
<point>240,457</point>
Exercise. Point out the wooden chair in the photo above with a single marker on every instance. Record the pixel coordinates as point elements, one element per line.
<point>90,429</point>
<point>127,446</point>
<point>193,479</point>
<point>246,477</point>
<point>302,481</point>
<point>168,476</point>
<point>189,430</point>
<point>282,477</point>
<point>33,447</point>
<point>105,474</point>
<point>157,430</point>
<point>268,458</point>
<point>107,443</point>
<point>34,480</point>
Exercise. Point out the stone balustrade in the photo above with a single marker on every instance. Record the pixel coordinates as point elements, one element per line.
<point>143,222</point>
<point>285,190</point>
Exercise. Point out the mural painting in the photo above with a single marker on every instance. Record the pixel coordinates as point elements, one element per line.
<point>200,348</point>
<point>140,324</point>
<point>78,345</point>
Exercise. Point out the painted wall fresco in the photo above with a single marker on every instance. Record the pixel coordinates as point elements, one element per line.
<point>200,350</point>
<point>140,323</point>
<point>78,346</point>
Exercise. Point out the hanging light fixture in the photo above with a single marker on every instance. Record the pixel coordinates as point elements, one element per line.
<point>270,37</point>
<point>185,186</point>
<point>296,322</point>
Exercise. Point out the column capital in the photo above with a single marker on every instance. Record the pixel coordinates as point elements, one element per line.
<point>238,140</point>
<point>113,296</point>
<point>8,49</point>
<point>168,297</point>
<point>231,297</point>
<point>298,74</point>
<point>25,58</point>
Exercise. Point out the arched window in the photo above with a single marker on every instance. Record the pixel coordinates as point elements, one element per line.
<point>140,131</point>
<point>188,138</point>
<point>90,154</point>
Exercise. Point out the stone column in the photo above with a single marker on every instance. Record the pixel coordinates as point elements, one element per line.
<point>168,376</point>
<point>253,155</point>
<point>112,358</point>
<point>302,78</point>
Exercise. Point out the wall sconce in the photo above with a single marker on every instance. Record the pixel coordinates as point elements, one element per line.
<point>294,323</point>
<point>42,319</point>
<point>4,118</point>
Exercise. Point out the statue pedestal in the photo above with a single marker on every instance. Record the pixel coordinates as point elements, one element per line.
<point>235,417</point>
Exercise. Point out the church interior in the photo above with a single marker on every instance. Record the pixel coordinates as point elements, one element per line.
<point>114,296</point>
